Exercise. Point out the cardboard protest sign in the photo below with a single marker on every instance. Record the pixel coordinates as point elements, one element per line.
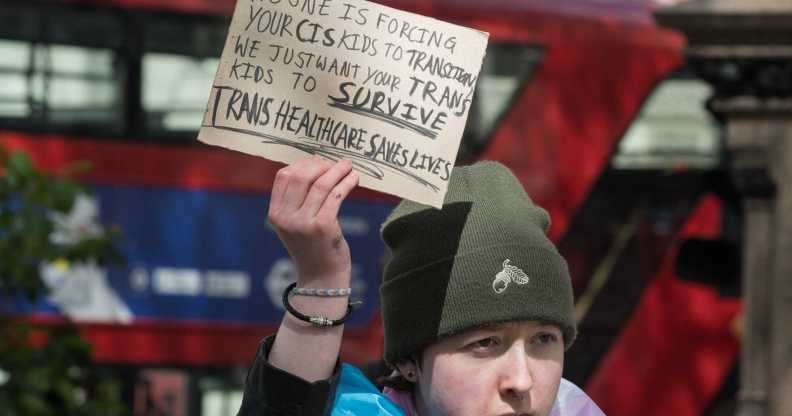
<point>386,89</point>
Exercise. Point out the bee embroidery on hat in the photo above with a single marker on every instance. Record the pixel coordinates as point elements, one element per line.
<point>507,275</point>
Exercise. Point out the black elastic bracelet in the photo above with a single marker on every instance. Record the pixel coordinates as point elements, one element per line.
<point>320,321</point>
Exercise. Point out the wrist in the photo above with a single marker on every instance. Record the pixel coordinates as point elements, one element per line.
<point>315,320</point>
<point>334,308</point>
<point>331,280</point>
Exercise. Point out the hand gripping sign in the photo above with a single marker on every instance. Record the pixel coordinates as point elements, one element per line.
<point>347,79</point>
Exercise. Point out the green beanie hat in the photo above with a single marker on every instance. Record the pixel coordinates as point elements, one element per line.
<point>483,259</point>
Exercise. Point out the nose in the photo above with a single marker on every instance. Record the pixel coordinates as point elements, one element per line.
<point>516,378</point>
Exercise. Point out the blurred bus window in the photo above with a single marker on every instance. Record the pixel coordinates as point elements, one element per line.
<point>175,91</point>
<point>180,59</point>
<point>506,70</point>
<point>674,130</point>
<point>218,398</point>
<point>56,76</point>
<point>12,77</point>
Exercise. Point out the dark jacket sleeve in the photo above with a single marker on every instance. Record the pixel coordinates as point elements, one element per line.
<point>273,392</point>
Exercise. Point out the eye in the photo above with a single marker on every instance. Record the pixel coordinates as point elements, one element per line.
<point>545,338</point>
<point>484,344</point>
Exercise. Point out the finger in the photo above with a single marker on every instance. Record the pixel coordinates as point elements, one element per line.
<point>333,201</point>
<point>303,174</point>
<point>323,186</point>
<point>279,186</point>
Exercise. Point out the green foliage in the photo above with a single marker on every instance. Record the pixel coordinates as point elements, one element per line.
<point>48,370</point>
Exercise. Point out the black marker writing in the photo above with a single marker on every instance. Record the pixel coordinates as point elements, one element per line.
<point>382,148</point>
<point>242,70</point>
<point>372,155</point>
<point>409,32</point>
<point>361,17</point>
<point>303,122</point>
<point>360,100</point>
<point>438,66</point>
<point>255,109</point>
<point>309,32</point>
<point>308,82</point>
<point>430,92</point>
<point>307,60</point>
<point>310,7</point>
<point>270,21</point>
<point>379,78</point>
<point>245,47</point>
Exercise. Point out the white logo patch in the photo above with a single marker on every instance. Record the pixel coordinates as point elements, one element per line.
<point>507,275</point>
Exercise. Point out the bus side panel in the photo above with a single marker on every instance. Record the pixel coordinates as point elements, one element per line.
<point>200,257</point>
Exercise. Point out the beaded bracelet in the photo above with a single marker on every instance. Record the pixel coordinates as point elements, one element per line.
<point>319,321</point>
<point>311,291</point>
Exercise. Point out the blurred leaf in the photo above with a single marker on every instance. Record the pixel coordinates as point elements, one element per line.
<point>50,369</point>
<point>63,193</point>
<point>31,404</point>
<point>18,169</point>
<point>38,380</point>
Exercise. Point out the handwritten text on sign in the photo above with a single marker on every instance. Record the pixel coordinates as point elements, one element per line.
<point>387,89</point>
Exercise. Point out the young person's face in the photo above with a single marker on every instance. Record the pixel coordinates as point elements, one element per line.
<point>509,369</point>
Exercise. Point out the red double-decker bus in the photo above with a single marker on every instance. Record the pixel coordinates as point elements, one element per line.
<point>588,101</point>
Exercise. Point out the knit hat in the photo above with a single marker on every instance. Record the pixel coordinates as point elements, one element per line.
<point>483,259</point>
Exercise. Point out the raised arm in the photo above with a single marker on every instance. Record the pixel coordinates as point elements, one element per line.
<point>306,197</point>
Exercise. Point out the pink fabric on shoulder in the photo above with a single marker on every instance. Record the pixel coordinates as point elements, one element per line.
<point>402,398</point>
<point>572,401</point>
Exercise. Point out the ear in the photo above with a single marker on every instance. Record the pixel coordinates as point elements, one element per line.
<point>409,370</point>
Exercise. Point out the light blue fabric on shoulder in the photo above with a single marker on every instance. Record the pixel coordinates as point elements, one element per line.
<point>357,396</point>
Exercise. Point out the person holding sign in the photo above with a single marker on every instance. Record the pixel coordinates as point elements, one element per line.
<point>476,304</point>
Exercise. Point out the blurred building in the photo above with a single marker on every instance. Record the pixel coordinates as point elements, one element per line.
<point>745,51</point>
